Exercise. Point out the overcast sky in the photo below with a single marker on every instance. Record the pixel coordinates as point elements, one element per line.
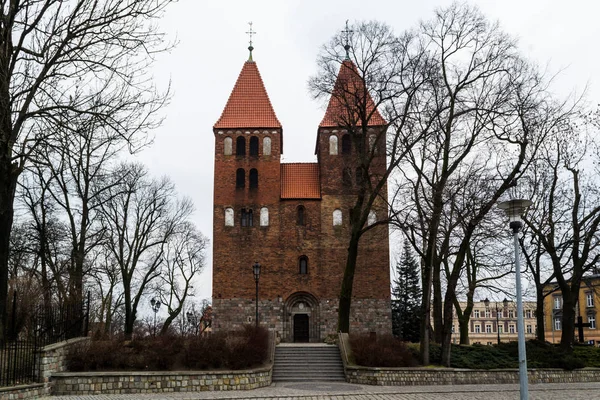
<point>212,47</point>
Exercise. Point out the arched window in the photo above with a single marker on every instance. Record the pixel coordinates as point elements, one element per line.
<point>333,145</point>
<point>240,146</point>
<point>359,176</point>
<point>253,178</point>
<point>240,178</point>
<point>254,146</point>
<point>372,218</point>
<point>373,143</point>
<point>337,217</point>
<point>246,217</point>
<point>347,177</point>
<point>229,216</point>
<point>346,144</point>
<point>228,146</point>
<point>264,216</point>
<point>267,146</point>
<point>303,265</point>
<point>300,215</point>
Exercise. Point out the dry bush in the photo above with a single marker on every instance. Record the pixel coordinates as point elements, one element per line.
<point>381,351</point>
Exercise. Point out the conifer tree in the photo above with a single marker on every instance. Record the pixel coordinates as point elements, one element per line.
<point>406,306</point>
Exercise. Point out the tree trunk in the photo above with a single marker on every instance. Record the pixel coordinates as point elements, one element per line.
<point>539,317</point>
<point>347,283</point>
<point>129,316</point>
<point>426,312</point>
<point>437,305</point>
<point>463,327</point>
<point>568,322</point>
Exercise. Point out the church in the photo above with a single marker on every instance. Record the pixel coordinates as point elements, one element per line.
<point>293,220</point>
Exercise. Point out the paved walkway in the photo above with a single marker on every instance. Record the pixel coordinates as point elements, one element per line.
<point>346,391</point>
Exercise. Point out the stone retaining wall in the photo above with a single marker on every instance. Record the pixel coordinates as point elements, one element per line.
<point>85,383</point>
<point>32,391</point>
<point>454,376</point>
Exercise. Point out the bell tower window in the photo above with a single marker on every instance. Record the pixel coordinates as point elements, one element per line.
<point>240,146</point>
<point>227,146</point>
<point>253,178</point>
<point>300,217</point>
<point>246,217</point>
<point>303,265</point>
<point>240,178</point>
<point>253,146</point>
<point>346,144</point>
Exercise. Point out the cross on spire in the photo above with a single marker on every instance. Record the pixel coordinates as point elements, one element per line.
<point>347,33</point>
<point>250,33</point>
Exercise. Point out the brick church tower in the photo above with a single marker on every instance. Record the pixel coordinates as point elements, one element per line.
<point>292,218</point>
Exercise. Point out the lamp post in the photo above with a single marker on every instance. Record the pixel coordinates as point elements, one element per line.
<point>256,271</point>
<point>155,303</point>
<point>487,307</point>
<point>514,209</point>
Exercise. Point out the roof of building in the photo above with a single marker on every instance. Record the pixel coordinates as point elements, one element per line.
<point>347,84</point>
<point>300,181</point>
<point>248,105</point>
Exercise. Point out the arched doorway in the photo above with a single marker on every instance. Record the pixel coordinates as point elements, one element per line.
<point>302,318</point>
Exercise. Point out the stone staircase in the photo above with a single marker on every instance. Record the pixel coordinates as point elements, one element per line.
<point>307,362</point>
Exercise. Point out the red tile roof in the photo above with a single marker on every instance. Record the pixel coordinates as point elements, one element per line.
<point>300,181</point>
<point>348,82</point>
<point>248,105</point>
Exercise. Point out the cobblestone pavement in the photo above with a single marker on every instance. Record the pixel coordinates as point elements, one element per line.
<point>345,391</point>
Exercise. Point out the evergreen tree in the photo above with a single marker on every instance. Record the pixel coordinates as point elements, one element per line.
<point>406,292</point>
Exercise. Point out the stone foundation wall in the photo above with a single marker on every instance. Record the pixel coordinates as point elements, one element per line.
<point>24,392</point>
<point>86,383</point>
<point>451,376</point>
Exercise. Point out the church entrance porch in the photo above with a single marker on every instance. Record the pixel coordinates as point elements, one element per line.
<point>301,318</point>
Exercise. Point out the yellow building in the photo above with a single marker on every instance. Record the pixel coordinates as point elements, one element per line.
<point>492,321</point>
<point>588,305</point>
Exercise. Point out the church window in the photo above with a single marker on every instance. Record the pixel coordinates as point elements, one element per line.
<point>337,217</point>
<point>333,145</point>
<point>346,144</point>
<point>303,265</point>
<point>246,217</point>
<point>373,143</point>
<point>253,178</point>
<point>301,211</point>
<point>254,146</point>
<point>228,146</point>
<point>240,146</point>
<point>359,176</point>
<point>372,218</point>
<point>267,146</point>
<point>240,178</point>
<point>347,177</point>
<point>229,216</point>
<point>264,216</point>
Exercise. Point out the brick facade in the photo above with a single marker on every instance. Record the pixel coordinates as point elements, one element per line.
<point>287,295</point>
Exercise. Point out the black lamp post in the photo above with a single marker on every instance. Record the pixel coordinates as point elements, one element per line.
<point>256,271</point>
<point>155,303</point>
<point>487,306</point>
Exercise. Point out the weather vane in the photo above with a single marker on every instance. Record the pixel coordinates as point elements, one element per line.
<point>347,33</point>
<point>250,33</point>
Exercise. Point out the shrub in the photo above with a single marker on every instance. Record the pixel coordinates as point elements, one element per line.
<point>381,351</point>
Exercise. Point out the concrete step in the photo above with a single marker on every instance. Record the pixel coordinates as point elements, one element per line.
<point>307,363</point>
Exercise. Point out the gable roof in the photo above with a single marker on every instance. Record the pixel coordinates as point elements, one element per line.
<point>248,105</point>
<point>347,83</point>
<point>300,181</point>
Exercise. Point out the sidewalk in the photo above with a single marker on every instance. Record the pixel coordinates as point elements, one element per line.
<point>346,391</point>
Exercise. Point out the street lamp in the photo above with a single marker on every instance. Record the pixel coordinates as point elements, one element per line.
<point>487,306</point>
<point>155,303</point>
<point>514,209</point>
<point>256,271</point>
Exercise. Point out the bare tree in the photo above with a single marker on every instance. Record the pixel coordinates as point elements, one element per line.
<point>140,216</point>
<point>59,55</point>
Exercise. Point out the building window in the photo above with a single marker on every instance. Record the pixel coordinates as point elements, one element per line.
<point>333,145</point>
<point>267,146</point>
<point>511,328</point>
<point>228,146</point>
<point>500,328</point>
<point>589,299</point>
<point>557,324</point>
<point>488,329</point>
<point>246,217</point>
<point>300,214</point>
<point>229,216</point>
<point>240,146</point>
<point>477,328</point>
<point>453,328</point>
<point>337,217</point>
<point>592,321</point>
<point>528,314</point>
<point>557,302</point>
<point>240,178</point>
<point>346,144</point>
<point>264,216</point>
<point>347,177</point>
<point>476,314</point>
<point>372,218</point>
<point>500,314</point>
<point>529,329</point>
<point>303,265</point>
<point>487,313</point>
<point>253,178</point>
<point>511,314</point>
<point>254,146</point>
